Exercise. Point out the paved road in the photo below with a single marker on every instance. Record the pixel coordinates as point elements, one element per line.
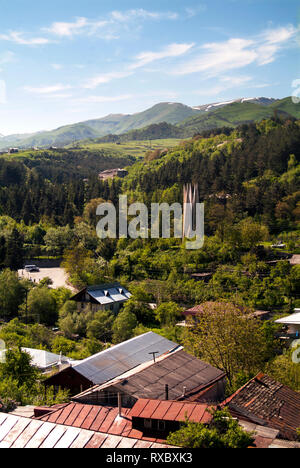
<point>58,276</point>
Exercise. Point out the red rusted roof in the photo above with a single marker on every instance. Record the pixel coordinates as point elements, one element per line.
<point>171,411</point>
<point>268,402</point>
<point>200,309</point>
<point>95,418</point>
<point>21,432</point>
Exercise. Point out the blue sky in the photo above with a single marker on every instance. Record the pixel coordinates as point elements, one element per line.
<point>68,61</point>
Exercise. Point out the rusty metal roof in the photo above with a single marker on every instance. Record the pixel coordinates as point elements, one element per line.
<point>268,402</point>
<point>104,419</point>
<point>177,370</point>
<point>91,422</point>
<point>171,411</point>
<point>20,432</point>
<point>118,359</point>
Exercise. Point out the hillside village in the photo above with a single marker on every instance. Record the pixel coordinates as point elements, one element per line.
<point>130,343</point>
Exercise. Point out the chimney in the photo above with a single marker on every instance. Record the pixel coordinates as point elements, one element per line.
<point>167,392</point>
<point>184,391</point>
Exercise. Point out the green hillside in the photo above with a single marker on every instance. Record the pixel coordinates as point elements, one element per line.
<point>171,113</point>
<point>164,120</point>
<point>230,116</point>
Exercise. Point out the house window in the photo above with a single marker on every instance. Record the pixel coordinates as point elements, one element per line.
<point>147,423</point>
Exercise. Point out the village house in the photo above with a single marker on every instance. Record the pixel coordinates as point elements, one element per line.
<point>292,324</point>
<point>111,363</point>
<point>43,360</point>
<point>173,376</point>
<point>102,297</point>
<point>268,403</point>
<point>86,426</point>
<point>112,173</point>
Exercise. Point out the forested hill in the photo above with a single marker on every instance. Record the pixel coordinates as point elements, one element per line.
<point>255,168</point>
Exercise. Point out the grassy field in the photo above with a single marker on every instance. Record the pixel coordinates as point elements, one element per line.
<point>137,149</point>
<point>132,148</point>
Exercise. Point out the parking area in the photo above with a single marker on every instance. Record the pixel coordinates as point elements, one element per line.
<point>57,275</point>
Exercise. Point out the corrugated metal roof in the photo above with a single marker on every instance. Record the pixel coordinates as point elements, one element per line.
<point>19,432</point>
<point>178,370</point>
<point>114,361</point>
<point>102,419</point>
<point>148,381</point>
<point>268,402</point>
<point>171,411</point>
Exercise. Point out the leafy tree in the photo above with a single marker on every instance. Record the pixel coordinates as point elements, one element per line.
<point>100,327</point>
<point>17,366</point>
<point>42,305</point>
<point>12,294</point>
<point>283,369</point>
<point>14,258</point>
<point>223,432</point>
<point>169,313</point>
<point>229,338</point>
<point>60,344</point>
<point>124,326</point>
<point>58,239</point>
<point>142,311</point>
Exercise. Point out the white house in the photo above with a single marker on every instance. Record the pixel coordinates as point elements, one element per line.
<point>292,321</point>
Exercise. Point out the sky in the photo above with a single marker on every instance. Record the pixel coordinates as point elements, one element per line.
<point>68,61</point>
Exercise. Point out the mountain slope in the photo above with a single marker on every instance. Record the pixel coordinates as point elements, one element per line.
<point>171,113</point>
<point>188,119</point>
<point>233,115</point>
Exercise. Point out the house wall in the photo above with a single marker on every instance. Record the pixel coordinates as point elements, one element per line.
<point>69,379</point>
<point>214,394</point>
<point>154,427</point>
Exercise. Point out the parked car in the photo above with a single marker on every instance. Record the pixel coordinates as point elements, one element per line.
<point>32,268</point>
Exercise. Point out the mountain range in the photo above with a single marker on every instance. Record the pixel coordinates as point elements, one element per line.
<point>182,120</point>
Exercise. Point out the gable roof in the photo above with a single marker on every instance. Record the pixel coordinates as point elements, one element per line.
<point>118,359</point>
<point>105,293</point>
<point>20,432</point>
<point>104,419</point>
<point>177,370</point>
<point>267,402</point>
<point>42,359</point>
<point>293,319</point>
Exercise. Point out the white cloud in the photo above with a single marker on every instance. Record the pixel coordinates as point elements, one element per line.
<point>279,35</point>
<point>107,27</point>
<point>65,29</point>
<point>172,50</point>
<point>17,38</point>
<point>105,78</point>
<point>235,53</point>
<point>44,90</point>
<point>125,16</point>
